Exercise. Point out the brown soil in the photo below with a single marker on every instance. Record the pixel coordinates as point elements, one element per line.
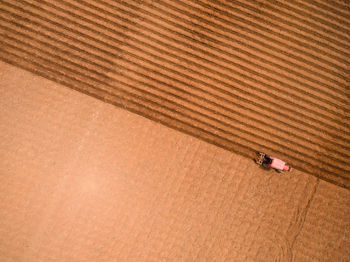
<point>247,76</point>
<point>81,180</point>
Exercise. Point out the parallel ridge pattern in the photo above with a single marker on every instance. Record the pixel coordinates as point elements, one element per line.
<point>248,76</point>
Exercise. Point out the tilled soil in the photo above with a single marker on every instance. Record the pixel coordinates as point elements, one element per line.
<point>247,76</point>
<point>82,180</point>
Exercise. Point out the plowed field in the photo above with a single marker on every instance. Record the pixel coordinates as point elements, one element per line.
<point>248,76</point>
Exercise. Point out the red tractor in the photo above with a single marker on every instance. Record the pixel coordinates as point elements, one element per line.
<point>272,162</point>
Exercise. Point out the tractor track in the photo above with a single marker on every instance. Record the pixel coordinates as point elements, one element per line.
<point>246,76</point>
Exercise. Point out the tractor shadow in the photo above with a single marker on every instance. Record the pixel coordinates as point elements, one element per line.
<point>261,166</point>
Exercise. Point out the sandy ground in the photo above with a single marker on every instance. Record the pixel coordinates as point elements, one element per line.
<point>247,76</point>
<point>82,180</point>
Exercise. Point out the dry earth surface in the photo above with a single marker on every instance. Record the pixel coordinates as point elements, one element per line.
<point>81,180</point>
<point>245,75</point>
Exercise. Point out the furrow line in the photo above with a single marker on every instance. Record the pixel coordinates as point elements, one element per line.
<point>52,34</point>
<point>225,36</point>
<point>323,9</point>
<point>43,53</point>
<point>97,45</point>
<point>61,50</point>
<point>282,11</point>
<point>254,29</point>
<point>310,14</point>
<point>291,31</point>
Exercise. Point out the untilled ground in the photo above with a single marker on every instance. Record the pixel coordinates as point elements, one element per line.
<point>81,180</point>
<point>247,76</point>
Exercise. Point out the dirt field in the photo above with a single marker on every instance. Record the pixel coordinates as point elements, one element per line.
<point>82,180</point>
<point>248,76</point>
